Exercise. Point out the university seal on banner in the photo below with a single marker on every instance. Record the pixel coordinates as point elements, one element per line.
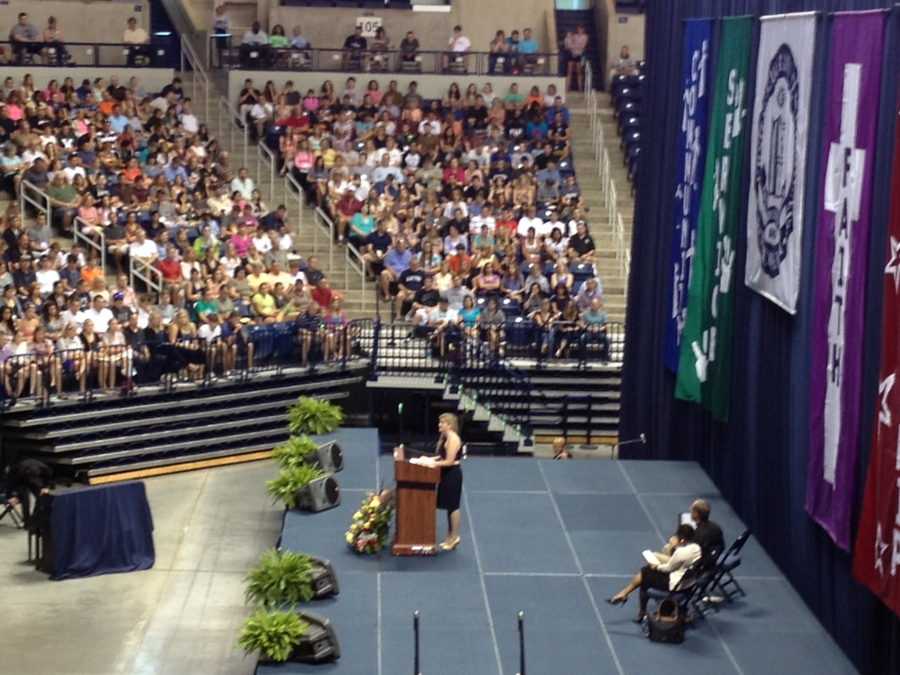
<point>776,159</point>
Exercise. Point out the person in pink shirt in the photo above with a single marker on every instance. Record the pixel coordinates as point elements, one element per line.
<point>242,241</point>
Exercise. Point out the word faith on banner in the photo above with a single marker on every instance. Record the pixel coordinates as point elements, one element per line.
<point>843,190</point>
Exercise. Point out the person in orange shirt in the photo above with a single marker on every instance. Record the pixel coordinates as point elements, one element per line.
<point>107,103</point>
<point>91,271</point>
<point>456,259</point>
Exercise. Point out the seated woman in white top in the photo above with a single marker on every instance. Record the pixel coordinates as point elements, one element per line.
<point>663,576</point>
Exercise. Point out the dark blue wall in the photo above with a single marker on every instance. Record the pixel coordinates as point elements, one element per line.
<point>759,458</point>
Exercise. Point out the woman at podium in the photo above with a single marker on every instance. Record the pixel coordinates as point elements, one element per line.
<point>449,451</point>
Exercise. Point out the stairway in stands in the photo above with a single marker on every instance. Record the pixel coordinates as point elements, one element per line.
<point>569,20</point>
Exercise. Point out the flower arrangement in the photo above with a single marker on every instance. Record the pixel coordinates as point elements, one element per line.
<point>371,523</point>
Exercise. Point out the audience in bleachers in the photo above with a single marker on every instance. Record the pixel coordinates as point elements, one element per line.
<point>454,198</point>
<point>142,183</point>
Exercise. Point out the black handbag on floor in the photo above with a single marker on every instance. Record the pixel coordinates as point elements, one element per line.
<point>667,624</point>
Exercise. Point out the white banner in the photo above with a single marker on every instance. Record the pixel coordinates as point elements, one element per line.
<point>779,130</point>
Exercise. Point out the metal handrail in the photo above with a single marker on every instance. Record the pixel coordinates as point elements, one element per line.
<point>355,260</point>
<point>188,54</point>
<point>236,124</point>
<point>163,372</point>
<point>291,186</point>
<point>87,241</point>
<point>538,64</point>
<point>144,271</point>
<point>323,222</point>
<point>266,158</point>
<point>24,197</point>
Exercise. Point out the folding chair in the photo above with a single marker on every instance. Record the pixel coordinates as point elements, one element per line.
<point>723,579</point>
<point>11,511</point>
<point>697,578</point>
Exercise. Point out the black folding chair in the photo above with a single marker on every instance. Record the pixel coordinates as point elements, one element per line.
<point>697,579</point>
<point>723,579</point>
<point>11,511</point>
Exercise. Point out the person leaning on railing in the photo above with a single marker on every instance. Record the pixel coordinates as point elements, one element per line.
<point>137,43</point>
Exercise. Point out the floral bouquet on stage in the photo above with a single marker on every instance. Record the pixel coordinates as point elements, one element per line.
<point>371,523</point>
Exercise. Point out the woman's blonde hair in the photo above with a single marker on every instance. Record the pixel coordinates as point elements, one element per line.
<point>450,419</point>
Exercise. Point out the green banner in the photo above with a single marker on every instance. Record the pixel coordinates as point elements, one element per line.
<point>704,366</point>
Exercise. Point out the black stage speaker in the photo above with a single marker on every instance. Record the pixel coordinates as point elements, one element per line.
<point>318,495</point>
<point>324,581</point>
<point>328,457</point>
<point>319,643</point>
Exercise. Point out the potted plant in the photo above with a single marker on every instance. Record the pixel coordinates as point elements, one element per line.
<point>289,480</point>
<point>281,577</point>
<point>274,635</point>
<point>295,451</point>
<point>312,416</point>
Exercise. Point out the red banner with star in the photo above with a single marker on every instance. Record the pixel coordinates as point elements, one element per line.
<point>876,559</point>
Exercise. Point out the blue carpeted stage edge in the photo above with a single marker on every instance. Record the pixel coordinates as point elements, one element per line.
<point>552,539</point>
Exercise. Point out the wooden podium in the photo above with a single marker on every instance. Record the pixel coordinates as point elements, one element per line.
<point>414,533</point>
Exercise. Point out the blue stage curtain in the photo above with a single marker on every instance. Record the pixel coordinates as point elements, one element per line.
<point>101,530</point>
<point>759,458</point>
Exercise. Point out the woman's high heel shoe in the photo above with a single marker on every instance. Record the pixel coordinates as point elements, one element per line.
<point>449,547</point>
<point>617,601</point>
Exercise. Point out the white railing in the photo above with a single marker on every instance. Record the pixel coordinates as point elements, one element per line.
<point>235,128</point>
<point>33,195</point>
<point>78,228</point>
<point>354,261</point>
<point>324,225</point>
<point>294,198</point>
<point>141,269</point>
<point>200,76</point>
<point>265,159</point>
<point>623,255</point>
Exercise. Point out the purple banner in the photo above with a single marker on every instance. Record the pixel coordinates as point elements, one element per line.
<point>841,248</point>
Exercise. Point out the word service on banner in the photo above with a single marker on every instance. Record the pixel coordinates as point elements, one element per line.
<point>843,237</point>
<point>784,73</point>
<point>704,366</point>
<point>690,155</point>
<point>876,558</point>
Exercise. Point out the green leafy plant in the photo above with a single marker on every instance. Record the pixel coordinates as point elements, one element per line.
<point>312,416</point>
<point>295,451</point>
<point>289,480</point>
<point>274,635</point>
<point>281,577</point>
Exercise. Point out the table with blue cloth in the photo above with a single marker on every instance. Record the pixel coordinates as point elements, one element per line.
<point>101,530</point>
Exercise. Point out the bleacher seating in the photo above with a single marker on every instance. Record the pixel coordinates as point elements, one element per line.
<point>391,185</point>
<point>132,184</point>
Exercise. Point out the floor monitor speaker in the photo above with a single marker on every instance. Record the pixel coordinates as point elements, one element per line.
<point>328,457</point>
<point>319,643</point>
<point>318,495</point>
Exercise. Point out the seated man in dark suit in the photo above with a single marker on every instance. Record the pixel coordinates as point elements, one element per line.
<point>707,534</point>
<point>26,478</point>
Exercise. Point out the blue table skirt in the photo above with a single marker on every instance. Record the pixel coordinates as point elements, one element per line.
<point>101,530</point>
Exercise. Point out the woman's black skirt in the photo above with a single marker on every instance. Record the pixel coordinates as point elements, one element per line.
<point>450,488</point>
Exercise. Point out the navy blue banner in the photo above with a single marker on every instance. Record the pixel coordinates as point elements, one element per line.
<point>690,155</point>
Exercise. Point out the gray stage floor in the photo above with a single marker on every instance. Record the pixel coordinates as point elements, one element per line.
<point>550,538</point>
<point>179,618</point>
